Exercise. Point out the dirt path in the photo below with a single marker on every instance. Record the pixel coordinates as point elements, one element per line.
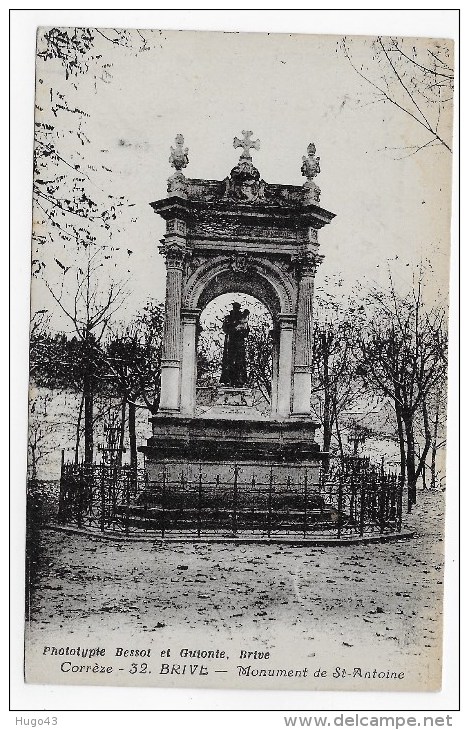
<point>384,599</point>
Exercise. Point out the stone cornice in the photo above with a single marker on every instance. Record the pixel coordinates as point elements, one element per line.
<point>258,212</point>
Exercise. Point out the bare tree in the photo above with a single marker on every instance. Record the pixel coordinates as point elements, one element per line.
<point>404,358</point>
<point>336,385</point>
<point>432,429</point>
<point>40,432</point>
<point>133,365</point>
<point>438,436</point>
<point>89,308</point>
<point>417,78</point>
<point>73,201</point>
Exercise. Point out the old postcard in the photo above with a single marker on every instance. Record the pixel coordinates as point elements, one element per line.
<point>238,360</point>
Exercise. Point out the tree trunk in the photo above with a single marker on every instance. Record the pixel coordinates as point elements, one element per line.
<point>400,434</point>
<point>339,437</point>
<point>88,397</point>
<point>434,446</point>
<point>327,438</point>
<point>423,474</point>
<point>426,447</point>
<point>122,431</point>
<point>33,462</point>
<point>133,445</point>
<point>410,460</point>
<point>328,418</point>
<point>77,433</point>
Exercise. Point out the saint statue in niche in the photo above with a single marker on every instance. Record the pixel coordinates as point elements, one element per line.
<point>236,329</point>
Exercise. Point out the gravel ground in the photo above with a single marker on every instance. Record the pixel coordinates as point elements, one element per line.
<point>380,601</point>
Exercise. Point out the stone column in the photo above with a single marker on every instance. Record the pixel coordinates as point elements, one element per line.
<point>287,325</point>
<point>189,318</point>
<point>303,338</point>
<point>171,356</point>
<point>274,386</point>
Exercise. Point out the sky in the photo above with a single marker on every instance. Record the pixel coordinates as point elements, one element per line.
<point>392,208</point>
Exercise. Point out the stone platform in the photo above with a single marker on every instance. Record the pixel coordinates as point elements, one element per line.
<point>215,445</point>
<point>232,439</point>
<point>248,538</point>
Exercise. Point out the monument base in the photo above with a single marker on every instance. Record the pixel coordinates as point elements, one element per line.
<point>216,445</point>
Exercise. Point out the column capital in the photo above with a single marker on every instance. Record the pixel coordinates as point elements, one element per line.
<point>287,321</point>
<point>307,263</point>
<point>302,368</point>
<point>190,316</point>
<point>174,252</point>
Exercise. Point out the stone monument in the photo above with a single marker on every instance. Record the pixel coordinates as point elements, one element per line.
<point>238,235</point>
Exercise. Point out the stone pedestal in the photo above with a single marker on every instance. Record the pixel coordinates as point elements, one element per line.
<point>216,445</point>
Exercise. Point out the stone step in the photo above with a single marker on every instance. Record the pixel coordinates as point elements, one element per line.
<point>189,519</point>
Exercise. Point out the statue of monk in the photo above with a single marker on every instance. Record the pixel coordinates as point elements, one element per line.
<point>236,329</point>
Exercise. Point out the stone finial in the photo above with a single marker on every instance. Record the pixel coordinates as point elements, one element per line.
<point>179,157</point>
<point>247,144</point>
<point>309,169</point>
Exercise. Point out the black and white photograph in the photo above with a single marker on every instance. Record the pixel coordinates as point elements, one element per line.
<point>238,360</point>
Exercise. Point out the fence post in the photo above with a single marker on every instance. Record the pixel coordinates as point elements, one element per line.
<point>269,503</point>
<point>352,505</point>
<point>339,505</point>
<point>362,503</point>
<point>371,499</point>
<point>381,501</point>
<point>79,496</point>
<point>393,500</point>
<point>127,501</point>
<point>115,488</point>
<point>399,502</point>
<point>103,499</point>
<point>62,495</point>
<point>235,499</point>
<point>305,505</point>
<point>163,501</point>
<point>219,513</point>
<point>253,498</point>
<point>199,502</point>
<point>146,483</point>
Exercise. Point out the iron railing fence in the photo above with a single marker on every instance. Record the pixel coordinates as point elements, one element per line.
<point>96,494</point>
<point>338,503</point>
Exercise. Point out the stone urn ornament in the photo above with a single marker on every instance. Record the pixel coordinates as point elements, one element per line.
<point>179,159</point>
<point>309,169</point>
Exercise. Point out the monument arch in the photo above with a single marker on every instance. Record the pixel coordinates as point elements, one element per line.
<point>257,277</point>
<point>239,235</point>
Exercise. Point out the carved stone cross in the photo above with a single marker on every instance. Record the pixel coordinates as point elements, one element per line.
<point>247,144</point>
